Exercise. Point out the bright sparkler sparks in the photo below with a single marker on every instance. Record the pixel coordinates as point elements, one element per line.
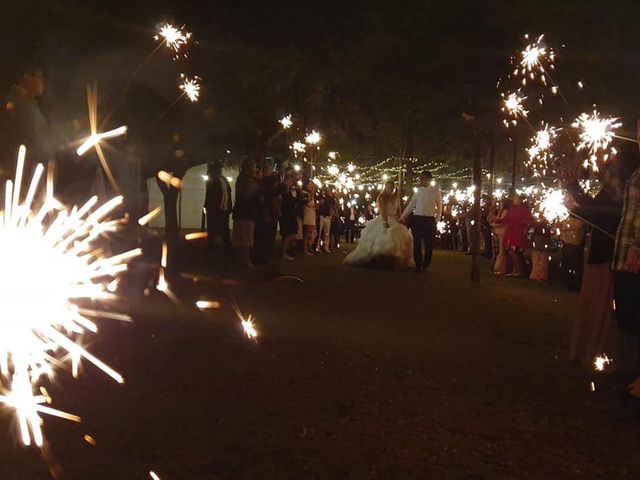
<point>174,38</point>
<point>49,269</point>
<point>601,361</point>
<point>540,153</point>
<point>533,59</point>
<point>248,324</point>
<point>313,138</point>
<point>596,134</point>
<point>190,87</point>
<point>286,122</point>
<point>513,106</point>
<point>552,205</point>
<point>298,147</point>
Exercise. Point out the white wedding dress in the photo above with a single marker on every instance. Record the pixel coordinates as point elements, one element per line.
<point>383,247</point>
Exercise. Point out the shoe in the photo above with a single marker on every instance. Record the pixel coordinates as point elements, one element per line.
<point>288,257</point>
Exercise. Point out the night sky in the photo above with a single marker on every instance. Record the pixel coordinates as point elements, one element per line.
<point>377,80</point>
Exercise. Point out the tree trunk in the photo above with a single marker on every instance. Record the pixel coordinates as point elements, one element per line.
<point>475,227</point>
<point>172,231</point>
<point>514,166</point>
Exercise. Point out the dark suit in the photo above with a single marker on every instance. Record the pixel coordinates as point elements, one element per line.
<point>217,215</point>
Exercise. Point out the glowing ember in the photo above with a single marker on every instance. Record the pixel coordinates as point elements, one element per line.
<point>169,179</point>
<point>204,304</point>
<point>596,134</point>
<point>47,268</point>
<point>174,38</point>
<point>196,236</point>
<point>190,87</point>
<point>149,216</point>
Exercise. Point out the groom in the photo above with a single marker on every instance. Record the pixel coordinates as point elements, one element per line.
<point>426,204</point>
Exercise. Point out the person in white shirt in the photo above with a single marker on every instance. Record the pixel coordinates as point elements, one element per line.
<point>426,205</point>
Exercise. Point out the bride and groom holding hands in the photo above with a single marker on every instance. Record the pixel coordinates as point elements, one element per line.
<point>385,242</point>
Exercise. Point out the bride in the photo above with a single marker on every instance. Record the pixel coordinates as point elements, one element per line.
<point>384,242</point>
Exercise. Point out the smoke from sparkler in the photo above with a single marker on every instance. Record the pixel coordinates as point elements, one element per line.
<point>47,268</point>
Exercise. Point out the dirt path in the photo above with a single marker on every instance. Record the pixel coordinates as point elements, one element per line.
<point>358,374</point>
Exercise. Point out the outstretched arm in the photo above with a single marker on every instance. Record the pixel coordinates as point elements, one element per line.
<point>409,208</point>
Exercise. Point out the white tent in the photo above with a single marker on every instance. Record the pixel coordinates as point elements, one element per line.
<point>192,193</point>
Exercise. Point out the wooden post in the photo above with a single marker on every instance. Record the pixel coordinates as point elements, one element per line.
<point>476,211</point>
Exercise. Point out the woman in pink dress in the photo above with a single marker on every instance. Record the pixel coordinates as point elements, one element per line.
<point>517,220</point>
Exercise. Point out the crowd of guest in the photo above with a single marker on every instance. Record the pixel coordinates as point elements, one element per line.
<point>310,219</point>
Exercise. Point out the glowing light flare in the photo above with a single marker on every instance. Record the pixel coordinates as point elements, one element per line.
<point>96,138</point>
<point>169,179</point>
<point>49,261</point>
<point>206,304</point>
<point>196,236</point>
<point>145,219</point>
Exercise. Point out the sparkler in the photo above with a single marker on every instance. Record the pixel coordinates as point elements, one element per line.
<point>190,87</point>
<point>540,153</point>
<point>601,361</point>
<point>596,134</point>
<point>47,268</point>
<point>552,205</point>
<point>248,325</point>
<point>512,105</point>
<point>298,147</point>
<point>533,59</point>
<point>313,138</point>
<point>174,38</point>
<point>286,122</point>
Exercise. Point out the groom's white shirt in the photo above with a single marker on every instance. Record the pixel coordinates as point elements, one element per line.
<point>426,202</point>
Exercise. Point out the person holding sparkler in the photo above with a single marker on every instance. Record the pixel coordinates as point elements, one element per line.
<point>309,216</point>
<point>626,257</point>
<point>23,123</point>
<point>244,212</point>
<point>572,235</point>
<point>517,220</point>
<point>594,331</point>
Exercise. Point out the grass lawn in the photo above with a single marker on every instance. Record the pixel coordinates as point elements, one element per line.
<point>357,374</point>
